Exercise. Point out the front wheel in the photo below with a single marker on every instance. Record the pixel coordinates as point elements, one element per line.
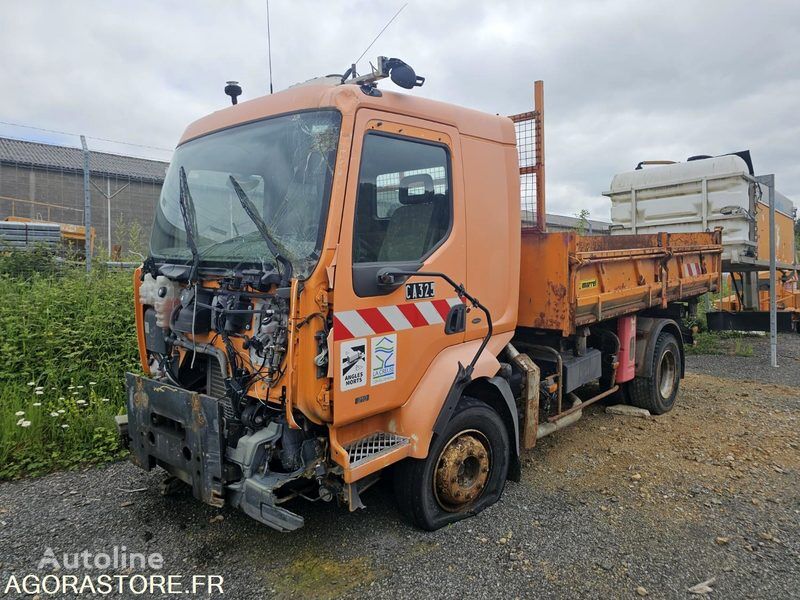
<point>657,392</point>
<point>465,470</point>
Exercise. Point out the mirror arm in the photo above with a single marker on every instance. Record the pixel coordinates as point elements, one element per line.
<point>388,276</point>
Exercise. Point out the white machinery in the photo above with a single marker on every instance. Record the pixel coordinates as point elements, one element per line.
<point>700,195</point>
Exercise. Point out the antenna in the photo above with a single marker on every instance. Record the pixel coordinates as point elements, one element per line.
<point>269,50</point>
<point>377,36</point>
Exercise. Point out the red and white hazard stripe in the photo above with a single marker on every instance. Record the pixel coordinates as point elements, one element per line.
<point>386,319</point>
<point>692,269</point>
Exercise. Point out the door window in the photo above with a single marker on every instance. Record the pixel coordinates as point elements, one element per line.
<point>403,208</point>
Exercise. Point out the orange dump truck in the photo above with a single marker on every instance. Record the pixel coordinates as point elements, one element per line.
<point>340,287</point>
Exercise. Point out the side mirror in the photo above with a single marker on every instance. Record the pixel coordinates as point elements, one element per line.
<point>401,74</point>
<point>404,76</point>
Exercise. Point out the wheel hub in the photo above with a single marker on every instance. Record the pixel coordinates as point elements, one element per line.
<point>462,471</point>
<point>667,370</point>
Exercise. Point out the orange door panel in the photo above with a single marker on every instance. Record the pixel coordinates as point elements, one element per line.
<point>403,211</point>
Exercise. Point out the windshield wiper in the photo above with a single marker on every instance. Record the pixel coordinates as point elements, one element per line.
<point>189,222</point>
<point>255,217</point>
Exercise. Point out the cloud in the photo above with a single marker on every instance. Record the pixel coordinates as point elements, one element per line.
<point>624,81</point>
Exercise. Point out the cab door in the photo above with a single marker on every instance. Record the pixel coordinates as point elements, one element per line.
<point>403,210</point>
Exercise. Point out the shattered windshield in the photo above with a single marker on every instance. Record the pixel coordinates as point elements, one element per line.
<point>283,164</point>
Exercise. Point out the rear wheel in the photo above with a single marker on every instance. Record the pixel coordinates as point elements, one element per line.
<point>465,470</point>
<point>658,391</point>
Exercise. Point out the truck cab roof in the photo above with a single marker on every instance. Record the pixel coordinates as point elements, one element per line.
<point>348,98</point>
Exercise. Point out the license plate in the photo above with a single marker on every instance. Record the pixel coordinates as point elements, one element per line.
<point>419,290</point>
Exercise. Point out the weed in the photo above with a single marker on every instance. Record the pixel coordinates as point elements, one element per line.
<point>730,343</point>
<point>68,338</point>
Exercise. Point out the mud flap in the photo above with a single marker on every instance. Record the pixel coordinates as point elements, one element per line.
<point>178,430</point>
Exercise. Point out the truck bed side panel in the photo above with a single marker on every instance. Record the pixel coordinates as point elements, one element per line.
<point>568,280</point>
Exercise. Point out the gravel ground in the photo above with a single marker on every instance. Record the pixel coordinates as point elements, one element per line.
<point>756,367</point>
<point>710,490</point>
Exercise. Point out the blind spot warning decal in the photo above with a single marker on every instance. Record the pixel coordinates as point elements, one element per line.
<point>384,320</point>
<point>353,364</point>
<point>383,359</point>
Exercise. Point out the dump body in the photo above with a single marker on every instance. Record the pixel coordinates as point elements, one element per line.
<point>569,280</point>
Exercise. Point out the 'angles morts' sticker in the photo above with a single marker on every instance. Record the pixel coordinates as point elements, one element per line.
<point>353,358</point>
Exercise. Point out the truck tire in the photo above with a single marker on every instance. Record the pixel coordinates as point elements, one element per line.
<point>465,470</point>
<point>658,391</point>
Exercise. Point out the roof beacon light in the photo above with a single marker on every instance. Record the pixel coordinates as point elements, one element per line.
<point>234,90</point>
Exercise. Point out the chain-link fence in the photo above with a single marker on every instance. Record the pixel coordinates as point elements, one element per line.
<point>42,183</point>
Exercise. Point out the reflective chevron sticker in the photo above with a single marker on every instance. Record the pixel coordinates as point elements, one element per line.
<point>363,322</point>
<point>692,269</point>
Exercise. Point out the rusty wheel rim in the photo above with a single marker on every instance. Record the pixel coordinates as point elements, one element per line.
<point>462,470</point>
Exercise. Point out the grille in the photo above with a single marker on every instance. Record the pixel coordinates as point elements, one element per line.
<point>216,383</point>
<point>216,387</point>
<point>373,446</point>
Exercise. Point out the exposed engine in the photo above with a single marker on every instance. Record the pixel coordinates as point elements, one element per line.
<point>244,323</point>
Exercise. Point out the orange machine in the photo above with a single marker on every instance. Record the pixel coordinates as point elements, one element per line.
<point>787,299</point>
<point>339,282</point>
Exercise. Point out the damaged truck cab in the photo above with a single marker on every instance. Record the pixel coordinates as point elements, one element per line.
<point>334,288</point>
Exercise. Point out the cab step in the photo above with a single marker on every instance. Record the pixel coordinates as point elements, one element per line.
<point>373,446</point>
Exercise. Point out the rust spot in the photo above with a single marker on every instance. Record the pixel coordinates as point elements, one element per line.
<point>140,397</point>
<point>558,290</point>
<point>198,418</point>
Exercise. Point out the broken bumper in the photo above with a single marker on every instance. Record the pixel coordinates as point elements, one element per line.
<point>182,432</point>
<point>178,430</point>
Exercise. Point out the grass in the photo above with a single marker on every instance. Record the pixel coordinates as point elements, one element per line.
<point>68,339</point>
<point>310,576</point>
<point>731,343</point>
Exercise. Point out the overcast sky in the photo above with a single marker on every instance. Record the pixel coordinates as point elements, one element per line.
<point>625,80</point>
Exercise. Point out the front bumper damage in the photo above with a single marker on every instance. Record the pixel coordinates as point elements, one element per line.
<point>183,432</point>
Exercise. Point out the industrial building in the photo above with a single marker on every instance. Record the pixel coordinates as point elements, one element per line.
<point>45,182</point>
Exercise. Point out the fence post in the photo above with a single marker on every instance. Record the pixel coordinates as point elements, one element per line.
<point>87,207</point>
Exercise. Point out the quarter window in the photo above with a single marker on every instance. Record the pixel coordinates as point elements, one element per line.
<point>403,206</point>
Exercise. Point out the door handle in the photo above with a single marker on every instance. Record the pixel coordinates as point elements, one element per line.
<point>456,320</point>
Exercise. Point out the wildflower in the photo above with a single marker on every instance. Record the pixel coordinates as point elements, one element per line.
<point>74,393</point>
<point>54,414</point>
<point>19,413</point>
<point>25,424</point>
<point>19,422</point>
<point>38,388</point>
<point>37,403</point>
<point>39,392</point>
<point>61,411</point>
<point>31,383</point>
<point>81,402</point>
<point>72,387</point>
<point>92,383</point>
<point>65,426</point>
<point>62,398</point>
<point>80,387</point>
<point>106,400</point>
